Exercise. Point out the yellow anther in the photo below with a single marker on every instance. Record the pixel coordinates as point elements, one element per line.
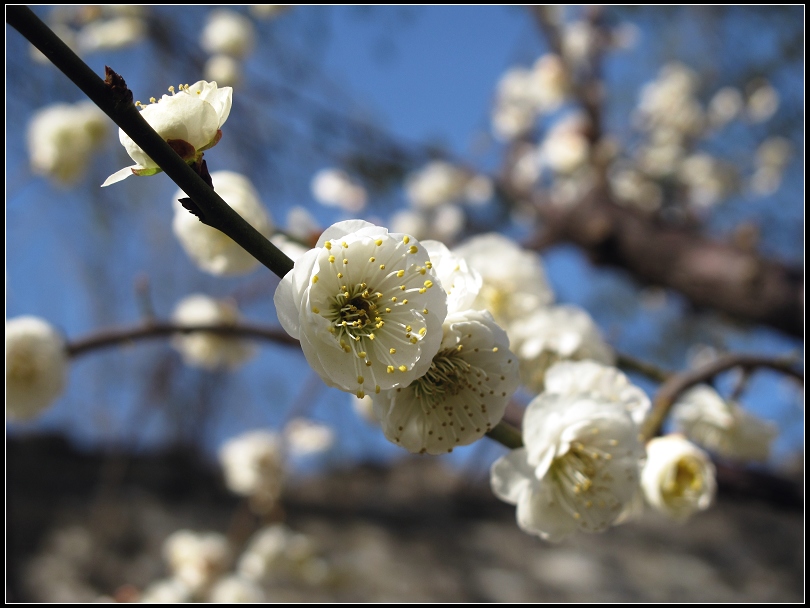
<point>393,298</point>
<point>377,389</point>
<point>422,289</point>
<point>406,239</point>
<point>372,259</point>
<point>390,369</point>
<point>328,244</point>
<point>362,354</point>
<point>422,271</point>
<point>371,336</point>
<point>360,394</point>
<point>315,310</point>
<point>393,351</point>
<point>495,349</point>
<point>345,261</point>
<point>424,311</point>
<point>331,259</point>
<point>428,284</point>
<point>345,294</point>
<point>413,249</point>
<point>400,273</point>
<point>152,100</point>
<point>414,340</point>
<point>402,368</point>
<point>387,309</point>
<point>382,266</point>
<point>402,288</point>
<point>378,242</point>
<point>423,331</point>
<point>171,89</point>
<point>315,279</point>
<point>408,328</point>
<point>340,276</point>
<point>360,380</point>
<point>405,301</point>
<point>368,363</point>
<point>429,264</point>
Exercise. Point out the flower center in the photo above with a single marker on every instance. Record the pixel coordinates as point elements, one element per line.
<point>354,311</point>
<point>446,377</point>
<point>687,482</point>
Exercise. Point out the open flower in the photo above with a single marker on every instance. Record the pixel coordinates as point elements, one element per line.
<point>461,282</point>
<point>722,426</point>
<point>367,307</point>
<point>212,250</point>
<point>553,334</point>
<point>206,349</point>
<point>463,394</point>
<point>678,477</point>
<point>579,468</point>
<point>36,366</point>
<point>189,120</point>
<point>335,188</point>
<point>197,559</point>
<point>514,283</point>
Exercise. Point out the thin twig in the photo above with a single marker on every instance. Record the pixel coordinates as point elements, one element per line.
<point>645,368</point>
<point>677,384</point>
<point>119,107</point>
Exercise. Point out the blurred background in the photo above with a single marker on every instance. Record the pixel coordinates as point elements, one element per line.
<point>690,118</point>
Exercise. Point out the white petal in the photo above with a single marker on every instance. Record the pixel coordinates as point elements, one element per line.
<point>511,476</point>
<point>341,229</point>
<point>120,175</point>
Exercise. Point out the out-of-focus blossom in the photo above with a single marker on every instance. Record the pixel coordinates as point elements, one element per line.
<point>288,247</point>
<point>268,11</point>
<point>633,189</point>
<point>36,367</point>
<point>366,307</point>
<point>555,334</point>
<point>196,559</point>
<point>435,184</point>
<point>228,33</point>
<point>223,69</point>
<point>725,106</point>
<point>722,426</point>
<point>305,437</point>
<point>579,42</point>
<point>514,283</point>
<point>111,34</point>
<point>236,590</point>
<point>479,190</point>
<point>335,188</point>
<point>301,223</point>
<point>166,591</point>
<point>212,250</point>
<point>774,152</point>
<point>206,349</point>
<point>277,553</point>
<point>763,101</point>
<point>709,180</point>
<point>463,394</point>
<point>564,150</point>
<point>189,121</point>
<point>678,478</point>
<point>579,468</point>
<point>670,101</point>
<point>253,465</point>
<point>62,138</point>
<point>410,221</point>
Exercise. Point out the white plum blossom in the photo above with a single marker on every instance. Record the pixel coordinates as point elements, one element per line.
<point>196,559</point>
<point>335,188</point>
<point>36,367</point>
<point>253,465</point>
<point>460,282</point>
<point>223,69</point>
<point>724,106</point>
<point>62,138</point>
<point>514,283</point>
<point>578,470</point>
<point>678,478</point>
<point>206,349</point>
<point>605,381</point>
<point>228,32</point>
<point>553,334</point>
<point>235,589</point>
<point>463,394</point>
<point>189,120</point>
<point>305,437</point>
<point>435,184</point>
<point>763,101</point>
<point>722,426</point>
<point>277,553</point>
<point>166,591</point>
<point>212,250</point>
<point>366,306</point>
<point>116,33</point>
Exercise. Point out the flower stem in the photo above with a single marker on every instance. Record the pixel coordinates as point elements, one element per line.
<point>122,111</point>
<point>507,435</point>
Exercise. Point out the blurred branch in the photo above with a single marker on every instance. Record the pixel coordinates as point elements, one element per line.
<point>115,337</point>
<point>709,273</point>
<point>671,389</point>
<point>115,100</point>
<point>630,363</point>
<point>507,435</point>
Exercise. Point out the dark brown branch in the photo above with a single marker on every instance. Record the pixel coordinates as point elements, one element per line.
<point>117,336</point>
<point>677,384</point>
<point>710,274</point>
